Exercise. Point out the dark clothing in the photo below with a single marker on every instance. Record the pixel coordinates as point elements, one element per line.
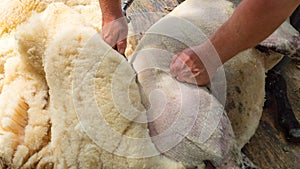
<point>295,19</point>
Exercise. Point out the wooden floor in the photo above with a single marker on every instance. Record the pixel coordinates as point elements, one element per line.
<point>268,148</point>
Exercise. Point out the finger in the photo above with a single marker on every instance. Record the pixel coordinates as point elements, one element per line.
<point>121,46</point>
<point>202,79</point>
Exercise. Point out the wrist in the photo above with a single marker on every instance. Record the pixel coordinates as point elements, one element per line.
<point>111,10</point>
<point>208,56</point>
<point>224,51</point>
<point>107,18</point>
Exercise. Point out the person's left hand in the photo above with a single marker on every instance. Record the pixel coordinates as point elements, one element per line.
<point>114,32</point>
<point>194,65</point>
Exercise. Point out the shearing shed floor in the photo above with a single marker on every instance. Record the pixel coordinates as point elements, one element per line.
<point>268,147</point>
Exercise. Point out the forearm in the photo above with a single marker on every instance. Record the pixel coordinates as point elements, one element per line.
<point>251,22</point>
<point>111,10</point>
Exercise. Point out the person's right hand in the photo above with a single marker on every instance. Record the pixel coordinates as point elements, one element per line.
<point>195,65</point>
<point>114,32</point>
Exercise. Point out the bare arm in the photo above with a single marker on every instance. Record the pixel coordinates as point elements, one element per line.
<point>111,9</point>
<point>114,24</point>
<point>251,22</point>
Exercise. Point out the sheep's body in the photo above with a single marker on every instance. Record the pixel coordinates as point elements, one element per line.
<point>190,24</point>
<point>245,73</point>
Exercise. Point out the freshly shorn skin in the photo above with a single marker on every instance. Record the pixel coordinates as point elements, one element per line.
<point>211,137</point>
<point>186,26</point>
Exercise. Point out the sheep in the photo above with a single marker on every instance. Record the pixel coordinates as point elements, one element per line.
<point>241,91</point>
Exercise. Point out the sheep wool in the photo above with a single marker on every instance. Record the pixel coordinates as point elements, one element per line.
<point>39,125</point>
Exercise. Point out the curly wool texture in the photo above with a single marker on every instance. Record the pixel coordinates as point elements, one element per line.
<point>25,123</point>
<point>41,128</point>
<point>14,12</point>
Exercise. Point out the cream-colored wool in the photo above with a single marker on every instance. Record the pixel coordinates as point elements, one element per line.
<point>14,12</point>
<point>57,139</point>
<point>25,123</point>
<point>7,50</point>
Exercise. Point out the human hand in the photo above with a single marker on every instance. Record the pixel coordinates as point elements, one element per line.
<point>195,65</point>
<point>114,32</point>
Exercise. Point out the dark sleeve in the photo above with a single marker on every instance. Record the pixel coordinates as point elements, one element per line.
<point>295,19</point>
